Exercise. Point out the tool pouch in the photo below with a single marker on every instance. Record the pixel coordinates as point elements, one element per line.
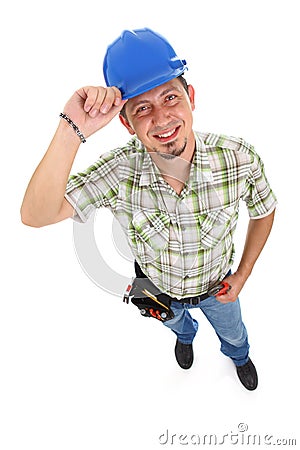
<point>149,299</point>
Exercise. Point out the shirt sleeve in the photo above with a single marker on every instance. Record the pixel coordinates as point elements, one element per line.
<point>93,188</point>
<point>258,195</point>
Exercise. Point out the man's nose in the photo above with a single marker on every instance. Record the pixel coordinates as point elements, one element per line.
<point>160,117</point>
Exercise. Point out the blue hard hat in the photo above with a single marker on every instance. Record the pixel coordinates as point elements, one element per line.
<point>140,60</point>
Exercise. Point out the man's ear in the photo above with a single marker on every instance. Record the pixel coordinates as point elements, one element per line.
<point>126,124</point>
<point>191,91</point>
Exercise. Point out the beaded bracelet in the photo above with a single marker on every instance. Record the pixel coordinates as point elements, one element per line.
<point>75,127</point>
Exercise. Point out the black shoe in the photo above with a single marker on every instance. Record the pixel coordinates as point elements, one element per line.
<point>248,375</point>
<point>184,354</point>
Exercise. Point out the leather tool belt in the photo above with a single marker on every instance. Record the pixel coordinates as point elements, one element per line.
<point>154,303</point>
<point>149,299</point>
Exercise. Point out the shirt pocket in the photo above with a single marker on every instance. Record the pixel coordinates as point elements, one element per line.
<point>216,225</point>
<point>151,231</point>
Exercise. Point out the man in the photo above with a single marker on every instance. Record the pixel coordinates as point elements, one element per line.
<point>176,192</point>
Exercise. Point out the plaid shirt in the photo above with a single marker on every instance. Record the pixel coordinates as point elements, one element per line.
<point>183,243</point>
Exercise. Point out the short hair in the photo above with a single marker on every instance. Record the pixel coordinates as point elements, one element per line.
<point>180,78</point>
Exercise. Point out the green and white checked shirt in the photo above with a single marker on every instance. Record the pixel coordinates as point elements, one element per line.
<point>183,243</point>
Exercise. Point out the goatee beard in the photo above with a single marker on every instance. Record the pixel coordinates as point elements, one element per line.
<point>175,153</point>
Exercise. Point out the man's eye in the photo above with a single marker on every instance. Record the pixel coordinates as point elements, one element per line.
<point>171,97</point>
<point>141,109</point>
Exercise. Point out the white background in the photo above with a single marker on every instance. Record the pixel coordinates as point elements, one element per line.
<point>80,369</point>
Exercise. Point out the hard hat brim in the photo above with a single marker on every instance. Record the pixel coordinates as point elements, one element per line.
<point>153,84</point>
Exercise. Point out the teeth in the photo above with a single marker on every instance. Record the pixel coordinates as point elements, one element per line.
<point>167,134</point>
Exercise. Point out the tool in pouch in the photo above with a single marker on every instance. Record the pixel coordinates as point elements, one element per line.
<point>149,299</point>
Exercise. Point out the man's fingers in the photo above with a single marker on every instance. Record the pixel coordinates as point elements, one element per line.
<point>118,96</point>
<point>99,99</point>
<point>225,298</point>
<point>112,98</point>
<point>89,95</point>
<point>108,101</point>
<point>94,101</point>
<point>93,107</point>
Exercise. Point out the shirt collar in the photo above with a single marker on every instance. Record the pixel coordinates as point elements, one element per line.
<point>149,172</point>
<point>200,169</point>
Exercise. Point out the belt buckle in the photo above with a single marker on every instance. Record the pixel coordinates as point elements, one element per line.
<point>194,301</point>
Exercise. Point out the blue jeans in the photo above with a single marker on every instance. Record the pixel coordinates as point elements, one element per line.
<point>226,320</point>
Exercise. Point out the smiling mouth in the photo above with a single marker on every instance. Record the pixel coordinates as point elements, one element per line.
<point>168,136</point>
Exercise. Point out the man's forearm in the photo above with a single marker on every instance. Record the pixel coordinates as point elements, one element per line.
<point>45,192</point>
<point>90,109</point>
<point>257,235</point>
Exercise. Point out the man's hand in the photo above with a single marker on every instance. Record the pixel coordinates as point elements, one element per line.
<point>236,282</point>
<point>92,108</point>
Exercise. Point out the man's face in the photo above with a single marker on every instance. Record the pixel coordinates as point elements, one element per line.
<point>162,119</point>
